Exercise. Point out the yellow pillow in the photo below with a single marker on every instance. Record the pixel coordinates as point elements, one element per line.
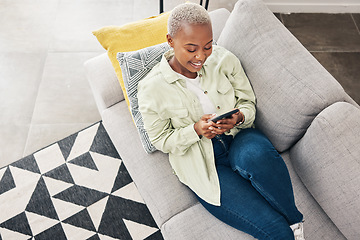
<point>132,37</point>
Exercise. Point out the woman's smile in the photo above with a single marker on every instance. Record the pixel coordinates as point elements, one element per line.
<point>196,65</point>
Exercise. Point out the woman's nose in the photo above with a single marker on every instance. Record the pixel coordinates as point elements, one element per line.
<point>200,56</point>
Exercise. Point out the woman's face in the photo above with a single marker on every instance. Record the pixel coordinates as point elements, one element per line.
<point>192,45</point>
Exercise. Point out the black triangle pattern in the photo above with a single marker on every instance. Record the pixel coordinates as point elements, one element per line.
<point>55,232</point>
<point>27,163</point>
<point>155,236</point>
<point>61,173</point>
<point>120,208</point>
<point>82,219</point>
<point>41,202</point>
<point>115,229</point>
<point>85,160</point>
<point>122,179</point>
<point>66,145</point>
<point>102,144</point>
<point>80,195</point>
<point>19,223</point>
<point>94,237</point>
<point>7,181</point>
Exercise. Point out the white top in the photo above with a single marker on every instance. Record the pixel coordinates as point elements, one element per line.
<point>193,84</point>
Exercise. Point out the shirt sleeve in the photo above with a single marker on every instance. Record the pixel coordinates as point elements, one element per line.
<point>162,134</point>
<point>244,94</point>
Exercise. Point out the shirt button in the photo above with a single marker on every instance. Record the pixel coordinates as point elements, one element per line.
<point>200,75</point>
<point>218,107</point>
<point>206,92</point>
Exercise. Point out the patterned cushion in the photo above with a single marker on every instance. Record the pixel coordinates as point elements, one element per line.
<point>135,66</point>
<point>131,37</point>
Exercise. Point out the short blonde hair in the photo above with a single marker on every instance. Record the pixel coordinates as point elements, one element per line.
<point>191,13</point>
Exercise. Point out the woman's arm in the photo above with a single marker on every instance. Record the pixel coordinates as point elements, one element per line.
<point>244,94</point>
<point>157,116</point>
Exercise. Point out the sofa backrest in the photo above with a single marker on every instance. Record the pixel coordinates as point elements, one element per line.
<point>291,87</point>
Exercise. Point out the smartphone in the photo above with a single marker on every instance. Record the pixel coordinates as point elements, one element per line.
<point>225,115</point>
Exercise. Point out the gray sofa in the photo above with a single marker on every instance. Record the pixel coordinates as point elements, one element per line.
<point>304,111</point>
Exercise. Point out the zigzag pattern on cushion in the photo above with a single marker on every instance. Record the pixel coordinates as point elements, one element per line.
<point>135,66</point>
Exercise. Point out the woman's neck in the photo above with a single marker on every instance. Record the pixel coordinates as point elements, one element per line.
<point>175,65</point>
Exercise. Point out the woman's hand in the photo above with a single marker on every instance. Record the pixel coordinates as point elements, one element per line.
<point>205,128</point>
<point>210,129</point>
<point>229,123</point>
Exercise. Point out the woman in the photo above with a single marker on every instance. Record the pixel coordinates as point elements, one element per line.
<point>233,169</point>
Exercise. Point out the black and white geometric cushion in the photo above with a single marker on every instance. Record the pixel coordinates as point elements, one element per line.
<point>135,66</point>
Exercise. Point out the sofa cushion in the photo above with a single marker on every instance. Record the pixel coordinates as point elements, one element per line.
<point>131,37</point>
<point>135,66</point>
<point>327,161</point>
<point>291,87</point>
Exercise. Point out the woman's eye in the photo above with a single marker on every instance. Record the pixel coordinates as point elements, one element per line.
<point>191,51</point>
<point>207,48</point>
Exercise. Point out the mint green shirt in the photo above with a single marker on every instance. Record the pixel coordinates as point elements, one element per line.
<point>170,110</point>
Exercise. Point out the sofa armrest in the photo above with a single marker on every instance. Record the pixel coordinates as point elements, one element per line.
<point>327,159</point>
<point>103,81</point>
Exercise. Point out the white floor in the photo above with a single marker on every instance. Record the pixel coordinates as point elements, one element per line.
<point>44,93</point>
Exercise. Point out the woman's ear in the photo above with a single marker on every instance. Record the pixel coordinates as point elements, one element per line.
<point>170,40</point>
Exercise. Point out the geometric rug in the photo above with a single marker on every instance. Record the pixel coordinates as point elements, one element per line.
<point>77,188</point>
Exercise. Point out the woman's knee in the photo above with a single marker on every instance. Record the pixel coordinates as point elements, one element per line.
<point>252,148</point>
<point>252,140</point>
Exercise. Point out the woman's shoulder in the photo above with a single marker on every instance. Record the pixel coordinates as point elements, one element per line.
<point>152,79</point>
<point>154,74</point>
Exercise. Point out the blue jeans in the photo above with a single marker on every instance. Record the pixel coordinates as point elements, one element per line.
<point>256,191</point>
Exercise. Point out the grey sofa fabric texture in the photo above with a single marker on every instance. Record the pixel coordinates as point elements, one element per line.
<point>327,159</point>
<point>103,82</point>
<point>290,85</point>
<point>317,224</point>
<point>301,107</point>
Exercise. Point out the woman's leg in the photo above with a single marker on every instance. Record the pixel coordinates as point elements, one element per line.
<point>243,208</point>
<point>254,157</point>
